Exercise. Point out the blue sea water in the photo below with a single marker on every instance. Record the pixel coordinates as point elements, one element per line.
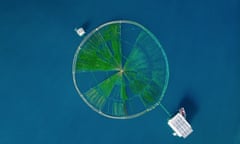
<point>38,101</point>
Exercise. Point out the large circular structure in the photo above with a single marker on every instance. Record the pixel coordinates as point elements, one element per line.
<point>120,70</point>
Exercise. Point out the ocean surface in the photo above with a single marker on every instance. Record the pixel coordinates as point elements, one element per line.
<point>38,101</point>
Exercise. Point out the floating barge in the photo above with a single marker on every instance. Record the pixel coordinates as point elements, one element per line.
<point>180,125</point>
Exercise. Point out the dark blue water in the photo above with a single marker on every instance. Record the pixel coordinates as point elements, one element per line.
<point>38,101</point>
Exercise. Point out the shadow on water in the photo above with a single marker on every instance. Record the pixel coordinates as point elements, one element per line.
<point>86,25</point>
<point>190,105</point>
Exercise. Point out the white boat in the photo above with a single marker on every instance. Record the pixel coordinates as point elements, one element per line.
<point>80,31</point>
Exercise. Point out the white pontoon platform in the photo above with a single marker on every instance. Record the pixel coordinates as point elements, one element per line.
<point>180,126</point>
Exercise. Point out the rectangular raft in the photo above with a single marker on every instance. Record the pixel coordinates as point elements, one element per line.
<point>180,126</point>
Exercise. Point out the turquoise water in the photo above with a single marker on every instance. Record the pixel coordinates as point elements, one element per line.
<point>38,101</point>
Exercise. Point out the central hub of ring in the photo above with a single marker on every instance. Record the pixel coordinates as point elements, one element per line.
<point>121,70</point>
